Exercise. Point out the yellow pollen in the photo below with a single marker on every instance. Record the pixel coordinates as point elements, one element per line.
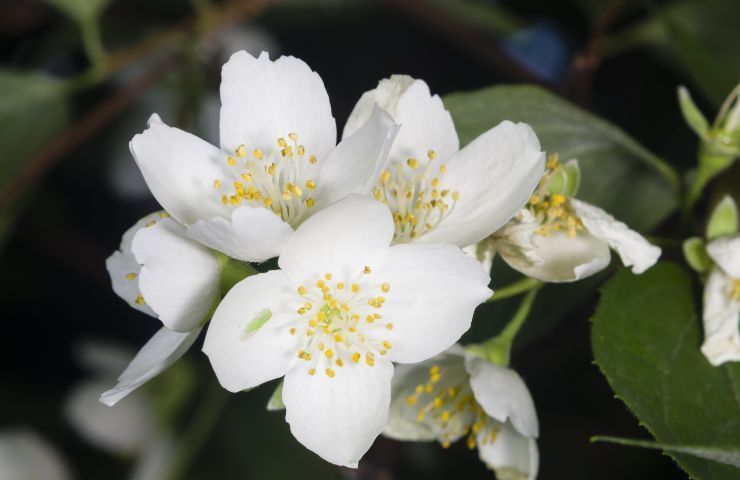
<point>247,177</point>
<point>445,417</point>
<point>370,359</point>
<point>321,316</point>
<point>131,276</point>
<point>385,287</point>
<point>321,346</point>
<point>340,286</point>
<point>309,202</point>
<point>217,184</point>
<point>329,353</point>
<point>301,150</point>
<point>258,154</point>
<point>389,326</point>
<point>292,330</point>
<point>456,196</point>
<point>431,154</point>
<point>735,290</point>
<point>339,362</point>
<point>241,151</point>
<point>385,176</point>
<point>337,337</point>
<point>311,371</point>
<point>293,136</point>
<point>312,159</point>
<point>302,290</point>
<point>356,357</point>
<point>327,276</point>
<point>411,400</point>
<point>281,142</point>
<point>412,163</point>
<point>140,300</point>
<point>370,319</point>
<point>310,184</point>
<point>329,373</point>
<point>386,344</point>
<point>366,270</point>
<point>224,199</point>
<point>355,288</point>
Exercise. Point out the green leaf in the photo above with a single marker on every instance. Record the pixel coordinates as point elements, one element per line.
<point>81,11</point>
<point>33,111</point>
<point>276,399</point>
<point>691,113</point>
<point>618,174</point>
<point>645,338</point>
<point>696,254</point>
<point>728,456</point>
<point>723,220</point>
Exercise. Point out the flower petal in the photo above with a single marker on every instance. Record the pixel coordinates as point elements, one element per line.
<point>511,455</point>
<point>563,259</point>
<point>355,164</point>
<point>633,249</point>
<point>243,352</point>
<point>495,175</point>
<point>179,277</point>
<point>725,251</point>
<point>434,290</point>
<point>123,268</point>
<point>426,125</point>
<point>179,169</point>
<point>24,455</point>
<point>161,351</point>
<point>252,234</point>
<point>123,430</point>
<point>503,395</point>
<point>337,239</point>
<point>339,418</point>
<point>262,101</point>
<point>721,320</point>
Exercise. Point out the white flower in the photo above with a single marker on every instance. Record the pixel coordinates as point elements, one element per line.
<point>722,302</point>
<point>456,395</point>
<point>131,428</point>
<point>437,192</point>
<point>160,271</point>
<point>342,307</point>
<point>276,165</point>
<point>558,238</point>
<point>24,455</point>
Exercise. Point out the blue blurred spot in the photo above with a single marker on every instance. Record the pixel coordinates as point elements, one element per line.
<point>541,49</point>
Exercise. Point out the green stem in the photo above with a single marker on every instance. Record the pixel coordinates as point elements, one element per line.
<point>514,289</point>
<point>498,348</point>
<point>93,42</point>
<point>198,431</point>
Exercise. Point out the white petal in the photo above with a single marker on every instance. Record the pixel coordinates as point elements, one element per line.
<point>161,351</point>
<point>563,259</point>
<point>25,456</point>
<point>122,430</point>
<point>355,164</point>
<point>495,175</point>
<point>482,252</point>
<point>426,125</point>
<point>515,238</point>
<point>179,277</point>
<point>503,395</point>
<point>338,418</point>
<point>338,239</point>
<point>123,268</point>
<point>251,234</point>
<point>434,290</point>
<point>721,320</point>
<point>179,169</point>
<point>632,248</point>
<point>243,356</point>
<point>512,456</point>
<point>725,252</point>
<point>262,101</point>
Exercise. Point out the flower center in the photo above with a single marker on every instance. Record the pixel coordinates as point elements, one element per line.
<point>414,195</point>
<point>273,180</point>
<point>340,323</point>
<point>735,289</point>
<point>447,403</point>
<point>553,211</point>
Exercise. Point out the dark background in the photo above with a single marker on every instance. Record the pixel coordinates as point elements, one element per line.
<point>54,289</point>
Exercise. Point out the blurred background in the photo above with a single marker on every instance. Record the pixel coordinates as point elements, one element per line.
<point>78,78</point>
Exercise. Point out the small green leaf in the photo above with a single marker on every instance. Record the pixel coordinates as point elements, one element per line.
<point>619,174</point>
<point>691,113</point>
<point>696,254</point>
<point>728,456</point>
<point>723,220</point>
<point>276,399</point>
<point>645,337</point>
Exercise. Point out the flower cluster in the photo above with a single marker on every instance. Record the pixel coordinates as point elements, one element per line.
<point>372,289</point>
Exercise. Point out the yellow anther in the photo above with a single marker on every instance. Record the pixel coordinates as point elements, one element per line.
<point>420,416</point>
<point>309,202</point>
<point>411,400</point>
<point>553,161</point>
<point>301,311</point>
<point>431,154</point>
<point>340,286</point>
<point>320,283</point>
<point>385,176</point>
<point>370,319</point>
<point>307,306</point>
<point>386,344</point>
<point>271,169</point>
<point>412,163</point>
<point>164,215</point>
<point>217,184</point>
<point>557,199</point>
<point>385,287</point>
<point>456,196</point>
<point>338,338</point>
<point>281,142</point>
<point>293,136</point>
<point>366,270</point>
<point>329,373</point>
<point>437,402</point>
<point>443,169</point>
<point>302,290</point>
<point>446,444</point>
<point>140,300</point>
<point>257,154</point>
<point>301,150</point>
<point>267,202</point>
<point>321,317</point>
<point>310,184</point>
<point>356,357</point>
<point>389,326</point>
<point>312,159</point>
<point>312,371</point>
<point>470,442</point>
<point>370,358</point>
<point>313,323</point>
<point>355,288</point>
<point>224,199</point>
<point>327,276</point>
<point>241,151</point>
<point>247,177</point>
<point>445,417</point>
<point>321,346</point>
<point>339,362</point>
<point>329,353</point>
<point>292,330</point>
<point>131,276</point>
